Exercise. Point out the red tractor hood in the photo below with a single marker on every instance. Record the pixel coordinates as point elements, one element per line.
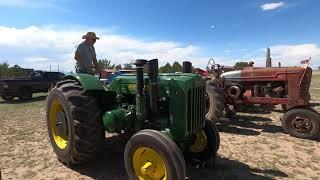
<point>262,74</point>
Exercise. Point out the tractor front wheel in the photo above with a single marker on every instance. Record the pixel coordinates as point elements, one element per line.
<point>301,123</point>
<point>74,122</point>
<point>150,154</point>
<point>206,143</point>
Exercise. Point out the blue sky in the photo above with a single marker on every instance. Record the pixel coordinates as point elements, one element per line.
<point>44,32</point>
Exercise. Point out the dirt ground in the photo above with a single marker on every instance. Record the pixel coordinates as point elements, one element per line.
<point>253,146</point>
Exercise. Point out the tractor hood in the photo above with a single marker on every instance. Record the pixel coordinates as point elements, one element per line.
<point>231,76</point>
<point>262,74</point>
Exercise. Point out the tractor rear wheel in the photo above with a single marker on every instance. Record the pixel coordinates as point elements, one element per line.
<point>216,101</point>
<point>206,144</point>
<point>74,122</point>
<point>150,154</point>
<point>301,123</point>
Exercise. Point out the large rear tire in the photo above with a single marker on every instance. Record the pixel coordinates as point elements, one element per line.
<point>301,123</point>
<point>216,101</point>
<point>74,122</point>
<point>150,154</point>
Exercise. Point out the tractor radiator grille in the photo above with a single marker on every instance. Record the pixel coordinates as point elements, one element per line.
<point>196,109</point>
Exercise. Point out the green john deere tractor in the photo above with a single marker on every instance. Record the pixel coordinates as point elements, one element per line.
<point>164,114</point>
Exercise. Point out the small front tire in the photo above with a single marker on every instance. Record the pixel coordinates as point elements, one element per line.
<point>301,123</point>
<point>206,144</point>
<point>150,154</point>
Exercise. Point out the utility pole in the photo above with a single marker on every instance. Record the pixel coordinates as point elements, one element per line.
<point>50,67</point>
<point>58,67</point>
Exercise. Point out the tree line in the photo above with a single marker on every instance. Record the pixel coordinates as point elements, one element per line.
<point>6,71</point>
<point>167,68</point>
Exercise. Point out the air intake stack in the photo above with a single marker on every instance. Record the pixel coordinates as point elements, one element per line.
<point>268,58</point>
<point>152,70</point>
<point>186,67</point>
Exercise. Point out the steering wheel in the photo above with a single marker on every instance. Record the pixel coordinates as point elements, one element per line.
<point>211,64</point>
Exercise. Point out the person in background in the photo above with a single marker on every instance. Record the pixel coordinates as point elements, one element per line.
<point>85,55</point>
<point>251,63</point>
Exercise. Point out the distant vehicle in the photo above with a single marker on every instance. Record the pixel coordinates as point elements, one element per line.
<point>24,87</point>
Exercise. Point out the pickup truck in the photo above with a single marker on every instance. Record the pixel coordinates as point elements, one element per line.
<point>23,88</point>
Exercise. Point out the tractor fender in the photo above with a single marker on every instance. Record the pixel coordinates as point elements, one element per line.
<point>88,81</point>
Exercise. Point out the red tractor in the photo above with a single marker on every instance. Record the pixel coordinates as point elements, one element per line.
<point>228,89</point>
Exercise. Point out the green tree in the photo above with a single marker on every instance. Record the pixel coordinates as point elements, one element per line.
<point>241,65</point>
<point>176,67</point>
<point>127,66</point>
<point>118,67</point>
<point>16,71</point>
<point>166,68</point>
<point>4,70</point>
<point>105,64</point>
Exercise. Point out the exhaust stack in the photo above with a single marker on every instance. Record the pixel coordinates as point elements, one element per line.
<point>152,70</point>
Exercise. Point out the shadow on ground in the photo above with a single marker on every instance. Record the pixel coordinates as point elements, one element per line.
<point>231,169</point>
<point>18,101</point>
<point>314,104</point>
<point>248,125</point>
<point>266,109</point>
<point>110,165</point>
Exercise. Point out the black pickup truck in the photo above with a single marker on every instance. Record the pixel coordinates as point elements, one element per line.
<point>23,88</point>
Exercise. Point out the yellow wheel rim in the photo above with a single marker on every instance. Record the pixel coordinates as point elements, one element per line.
<point>60,139</point>
<point>148,164</point>
<point>200,143</point>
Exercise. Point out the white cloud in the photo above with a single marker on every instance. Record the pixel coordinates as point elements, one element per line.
<point>292,54</point>
<point>272,6</point>
<point>39,47</point>
<point>42,47</point>
<point>36,59</point>
<point>287,54</point>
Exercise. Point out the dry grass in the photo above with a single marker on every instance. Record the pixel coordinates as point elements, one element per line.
<point>253,146</point>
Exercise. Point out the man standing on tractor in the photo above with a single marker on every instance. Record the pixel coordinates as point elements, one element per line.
<point>85,55</point>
